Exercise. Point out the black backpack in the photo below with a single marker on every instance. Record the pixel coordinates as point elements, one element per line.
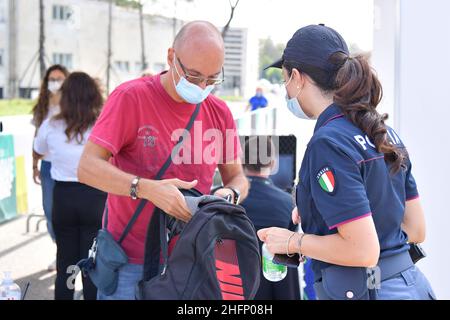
<point>216,256</point>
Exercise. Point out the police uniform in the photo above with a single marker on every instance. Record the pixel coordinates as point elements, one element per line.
<point>266,206</point>
<point>343,178</point>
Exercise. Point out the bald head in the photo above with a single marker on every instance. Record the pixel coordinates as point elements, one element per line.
<point>198,32</point>
<point>198,50</point>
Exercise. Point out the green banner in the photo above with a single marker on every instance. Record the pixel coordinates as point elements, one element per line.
<point>8,201</point>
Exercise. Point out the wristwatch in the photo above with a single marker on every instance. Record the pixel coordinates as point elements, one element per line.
<point>236,193</point>
<point>133,188</point>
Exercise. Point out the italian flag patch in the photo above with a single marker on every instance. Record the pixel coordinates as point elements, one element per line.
<point>326,180</point>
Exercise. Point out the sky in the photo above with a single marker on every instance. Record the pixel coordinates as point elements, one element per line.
<point>279,19</point>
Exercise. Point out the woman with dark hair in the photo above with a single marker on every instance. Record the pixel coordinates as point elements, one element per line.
<point>356,198</point>
<point>47,106</point>
<point>77,208</point>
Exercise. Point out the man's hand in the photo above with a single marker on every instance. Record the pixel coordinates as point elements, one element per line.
<point>165,194</point>
<point>295,216</point>
<point>36,175</point>
<point>224,193</point>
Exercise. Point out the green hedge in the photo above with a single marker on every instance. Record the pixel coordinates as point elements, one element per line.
<point>232,98</point>
<point>15,107</point>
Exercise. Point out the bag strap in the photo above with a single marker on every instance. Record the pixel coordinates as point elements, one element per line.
<point>159,175</point>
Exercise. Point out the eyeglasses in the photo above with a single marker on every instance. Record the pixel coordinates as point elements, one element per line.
<point>199,80</point>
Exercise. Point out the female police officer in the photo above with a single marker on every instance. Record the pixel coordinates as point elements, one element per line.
<point>356,196</point>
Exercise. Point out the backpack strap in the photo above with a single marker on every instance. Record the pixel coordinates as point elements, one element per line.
<point>159,175</point>
<point>153,245</point>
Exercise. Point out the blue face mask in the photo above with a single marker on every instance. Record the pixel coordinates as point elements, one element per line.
<point>294,106</point>
<point>190,92</point>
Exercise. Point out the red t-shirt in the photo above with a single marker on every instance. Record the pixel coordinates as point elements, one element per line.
<point>140,123</point>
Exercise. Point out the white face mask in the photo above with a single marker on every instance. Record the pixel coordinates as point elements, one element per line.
<point>54,86</point>
<point>190,92</point>
<point>294,106</point>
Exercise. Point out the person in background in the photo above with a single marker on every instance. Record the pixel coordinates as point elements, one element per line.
<point>257,101</point>
<point>46,107</point>
<point>77,208</point>
<point>266,206</point>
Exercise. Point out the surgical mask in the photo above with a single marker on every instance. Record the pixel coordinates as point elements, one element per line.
<point>190,92</point>
<point>54,86</point>
<point>294,106</point>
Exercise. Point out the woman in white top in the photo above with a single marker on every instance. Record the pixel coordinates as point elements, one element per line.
<point>77,208</point>
<point>46,107</point>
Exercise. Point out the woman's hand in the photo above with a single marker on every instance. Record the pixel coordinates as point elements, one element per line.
<point>295,216</point>
<point>36,175</point>
<point>414,221</point>
<point>276,240</point>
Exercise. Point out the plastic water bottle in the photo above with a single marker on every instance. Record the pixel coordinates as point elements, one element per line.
<point>272,271</point>
<point>8,289</point>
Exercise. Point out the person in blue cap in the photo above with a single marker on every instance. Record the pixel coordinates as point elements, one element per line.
<point>258,101</point>
<point>357,199</point>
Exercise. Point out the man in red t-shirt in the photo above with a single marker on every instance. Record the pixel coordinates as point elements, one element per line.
<point>139,125</point>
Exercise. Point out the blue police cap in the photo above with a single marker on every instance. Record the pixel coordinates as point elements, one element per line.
<point>311,48</point>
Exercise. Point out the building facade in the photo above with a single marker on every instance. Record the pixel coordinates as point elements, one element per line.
<point>76,35</point>
<point>241,63</point>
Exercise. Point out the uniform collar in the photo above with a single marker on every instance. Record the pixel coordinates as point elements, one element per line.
<point>331,113</point>
<point>260,179</point>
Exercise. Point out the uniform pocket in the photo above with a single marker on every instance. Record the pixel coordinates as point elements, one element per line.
<point>345,283</point>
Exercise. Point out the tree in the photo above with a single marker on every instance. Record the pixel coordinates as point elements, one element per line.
<point>128,3</point>
<point>175,16</point>
<point>139,5</point>
<point>109,53</point>
<point>141,28</point>
<point>227,25</point>
<point>42,66</point>
<point>269,53</point>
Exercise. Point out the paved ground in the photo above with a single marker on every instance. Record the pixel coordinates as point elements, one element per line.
<point>27,256</point>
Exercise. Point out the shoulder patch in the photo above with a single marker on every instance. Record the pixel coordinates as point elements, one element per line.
<point>326,179</point>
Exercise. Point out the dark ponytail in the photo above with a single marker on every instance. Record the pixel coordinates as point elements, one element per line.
<point>358,92</point>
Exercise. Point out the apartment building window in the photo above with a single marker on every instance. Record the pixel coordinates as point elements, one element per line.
<point>123,66</point>
<point>64,59</point>
<point>61,13</point>
<point>2,15</point>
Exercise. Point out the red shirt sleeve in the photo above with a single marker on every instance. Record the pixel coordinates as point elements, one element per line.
<point>117,125</point>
